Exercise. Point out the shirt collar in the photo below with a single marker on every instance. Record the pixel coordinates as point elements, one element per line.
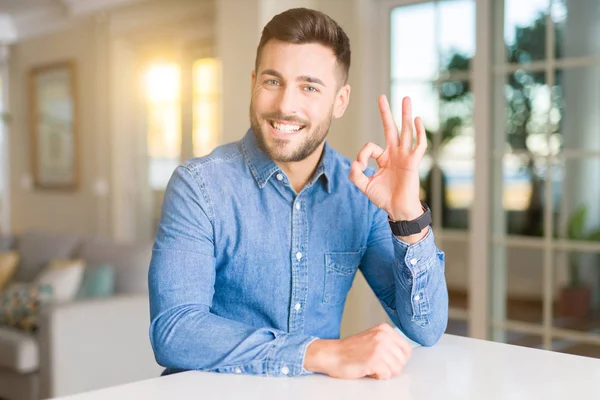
<point>262,167</point>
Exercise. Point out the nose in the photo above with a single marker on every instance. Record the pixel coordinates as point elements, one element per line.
<point>288,102</point>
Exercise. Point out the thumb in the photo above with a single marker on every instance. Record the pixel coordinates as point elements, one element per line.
<point>358,177</point>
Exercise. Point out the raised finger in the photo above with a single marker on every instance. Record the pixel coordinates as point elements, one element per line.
<point>421,146</point>
<point>389,125</point>
<point>406,132</point>
<point>369,150</point>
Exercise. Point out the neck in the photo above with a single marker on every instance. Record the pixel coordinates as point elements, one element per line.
<point>300,172</point>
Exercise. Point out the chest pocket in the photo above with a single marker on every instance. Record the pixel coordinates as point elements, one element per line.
<point>340,269</point>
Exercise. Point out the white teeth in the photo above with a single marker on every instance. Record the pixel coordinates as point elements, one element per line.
<point>287,128</point>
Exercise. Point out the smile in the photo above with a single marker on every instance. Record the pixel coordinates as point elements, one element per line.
<point>285,127</point>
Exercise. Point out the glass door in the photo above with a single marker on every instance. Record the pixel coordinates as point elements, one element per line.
<point>545,242</point>
<point>431,47</point>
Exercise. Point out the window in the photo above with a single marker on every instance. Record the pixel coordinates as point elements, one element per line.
<point>546,158</point>
<point>164,122</point>
<point>207,96</point>
<point>164,115</point>
<point>433,68</point>
<point>542,258</point>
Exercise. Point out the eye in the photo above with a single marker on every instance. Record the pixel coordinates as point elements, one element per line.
<point>310,89</point>
<point>272,82</point>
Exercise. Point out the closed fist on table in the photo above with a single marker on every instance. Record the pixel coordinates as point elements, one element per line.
<point>379,352</point>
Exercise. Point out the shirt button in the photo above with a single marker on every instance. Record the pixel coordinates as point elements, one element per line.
<point>238,370</point>
<point>297,306</point>
<point>297,205</point>
<point>279,177</point>
<point>285,370</point>
<point>417,298</point>
<point>413,261</point>
<point>298,256</point>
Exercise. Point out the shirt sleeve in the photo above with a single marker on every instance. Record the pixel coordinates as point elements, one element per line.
<point>184,333</point>
<point>408,280</point>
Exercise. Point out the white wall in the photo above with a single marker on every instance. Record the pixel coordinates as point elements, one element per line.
<point>51,210</point>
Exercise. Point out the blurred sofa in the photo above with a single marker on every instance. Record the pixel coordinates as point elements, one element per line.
<point>84,344</point>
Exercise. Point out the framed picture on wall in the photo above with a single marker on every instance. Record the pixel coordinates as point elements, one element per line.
<point>53,126</point>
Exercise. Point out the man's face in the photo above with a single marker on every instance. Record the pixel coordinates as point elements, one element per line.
<point>295,94</point>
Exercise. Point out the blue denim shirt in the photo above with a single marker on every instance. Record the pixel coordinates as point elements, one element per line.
<point>246,273</point>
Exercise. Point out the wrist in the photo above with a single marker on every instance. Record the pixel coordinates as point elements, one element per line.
<point>407,213</point>
<point>413,226</point>
<point>321,356</point>
<point>413,239</point>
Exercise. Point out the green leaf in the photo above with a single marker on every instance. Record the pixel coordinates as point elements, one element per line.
<point>576,223</point>
<point>594,236</point>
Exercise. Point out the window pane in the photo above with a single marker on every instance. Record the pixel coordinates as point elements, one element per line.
<point>413,46</point>
<point>457,273</point>
<point>574,115</point>
<point>207,96</point>
<point>577,23</point>
<point>523,198</point>
<point>456,33</point>
<point>457,326</point>
<point>456,114</point>
<point>524,339</point>
<point>577,192</point>
<point>456,152</point>
<point>525,30</point>
<point>424,99</point>
<point>578,349</point>
<point>517,289</point>
<point>577,277</point>
<point>164,122</point>
<point>457,188</point>
<point>526,112</point>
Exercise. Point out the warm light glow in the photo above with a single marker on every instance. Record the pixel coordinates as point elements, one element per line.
<point>206,75</point>
<point>164,110</point>
<point>207,97</point>
<point>162,83</point>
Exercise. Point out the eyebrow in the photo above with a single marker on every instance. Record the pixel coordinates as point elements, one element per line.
<point>302,78</point>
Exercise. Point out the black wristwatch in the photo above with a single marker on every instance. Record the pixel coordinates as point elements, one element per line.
<point>407,228</point>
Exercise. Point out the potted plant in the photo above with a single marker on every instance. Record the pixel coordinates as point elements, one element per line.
<point>575,297</point>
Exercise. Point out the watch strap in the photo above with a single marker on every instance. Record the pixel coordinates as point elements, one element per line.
<point>407,228</point>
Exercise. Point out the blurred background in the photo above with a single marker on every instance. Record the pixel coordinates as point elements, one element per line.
<point>102,99</point>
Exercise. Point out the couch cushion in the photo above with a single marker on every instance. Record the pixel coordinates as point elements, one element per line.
<point>7,242</point>
<point>9,260</point>
<point>37,249</point>
<point>18,351</point>
<point>64,276</point>
<point>130,261</point>
<point>98,281</point>
<point>20,305</point>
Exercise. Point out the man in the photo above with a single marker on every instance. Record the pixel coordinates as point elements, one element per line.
<point>259,242</point>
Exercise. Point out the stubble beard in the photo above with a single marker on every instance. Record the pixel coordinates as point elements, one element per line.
<point>277,151</point>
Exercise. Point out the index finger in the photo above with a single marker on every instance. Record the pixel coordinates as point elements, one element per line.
<point>389,125</point>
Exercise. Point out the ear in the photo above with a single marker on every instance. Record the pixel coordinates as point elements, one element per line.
<point>341,101</point>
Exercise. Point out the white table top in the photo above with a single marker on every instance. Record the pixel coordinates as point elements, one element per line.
<point>455,368</point>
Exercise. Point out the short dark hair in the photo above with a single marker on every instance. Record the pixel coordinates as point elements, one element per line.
<point>302,25</point>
